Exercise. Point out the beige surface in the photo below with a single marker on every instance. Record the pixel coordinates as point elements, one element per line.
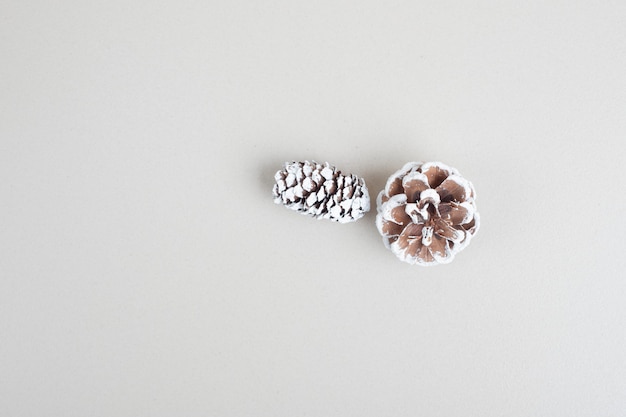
<point>145,270</point>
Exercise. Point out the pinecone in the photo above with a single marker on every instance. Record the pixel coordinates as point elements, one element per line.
<point>321,191</point>
<point>426,213</point>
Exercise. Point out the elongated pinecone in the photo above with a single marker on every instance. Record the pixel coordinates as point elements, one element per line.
<point>427,213</point>
<point>321,191</point>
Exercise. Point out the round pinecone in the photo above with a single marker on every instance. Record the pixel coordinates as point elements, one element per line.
<point>321,191</point>
<point>426,213</point>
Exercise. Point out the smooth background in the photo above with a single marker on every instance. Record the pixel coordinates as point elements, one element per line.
<point>145,270</point>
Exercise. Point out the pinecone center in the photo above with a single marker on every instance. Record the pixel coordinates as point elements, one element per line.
<point>425,209</point>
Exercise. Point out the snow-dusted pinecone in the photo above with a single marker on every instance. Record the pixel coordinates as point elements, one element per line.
<point>321,191</point>
<point>427,213</point>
